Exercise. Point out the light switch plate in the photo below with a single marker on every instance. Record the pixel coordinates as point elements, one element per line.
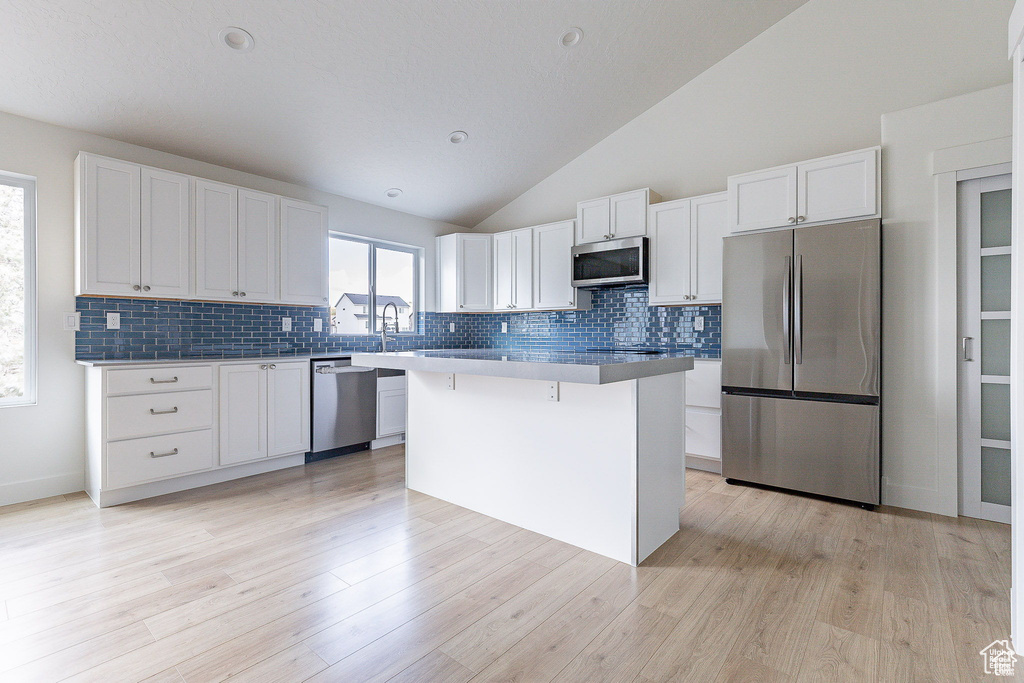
<point>73,321</point>
<point>504,328</point>
<point>553,391</point>
<point>113,321</point>
<point>286,324</point>
<point>451,327</point>
<point>318,324</point>
<point>698,323</point>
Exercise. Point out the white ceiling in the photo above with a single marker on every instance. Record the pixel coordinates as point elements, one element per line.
<point>357,96</point>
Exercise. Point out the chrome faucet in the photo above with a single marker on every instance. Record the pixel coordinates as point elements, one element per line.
<point>384,338</point>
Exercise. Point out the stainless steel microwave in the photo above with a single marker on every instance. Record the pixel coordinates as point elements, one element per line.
<point>615,262</point>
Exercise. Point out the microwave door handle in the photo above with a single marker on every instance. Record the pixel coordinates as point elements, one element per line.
<point>787,338</point>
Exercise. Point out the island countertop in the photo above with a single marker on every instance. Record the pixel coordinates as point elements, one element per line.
<point>581,367</point>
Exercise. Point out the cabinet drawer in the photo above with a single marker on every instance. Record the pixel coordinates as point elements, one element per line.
<point>133,416</point>
<point>704,433</point>
<point>138,460</point>
<point>158,379</point>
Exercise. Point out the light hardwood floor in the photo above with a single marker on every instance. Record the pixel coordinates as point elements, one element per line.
<point>334,572</point>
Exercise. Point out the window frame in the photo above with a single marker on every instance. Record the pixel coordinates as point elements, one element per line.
<point>371,304</point>
<point>30,396</point>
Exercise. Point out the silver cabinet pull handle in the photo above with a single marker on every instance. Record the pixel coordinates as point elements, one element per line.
<point>241,294</point>
<point>136,288</point>
<point>154,411</point>
<point>162,455</point>
<point>273,366</point>
<point>263,367</point>
<point>968,356</point>
<point>801,219</point>
<point>234,293</point>
<point>154,380</point>
<point>145,288</point>
<point>791,219</point>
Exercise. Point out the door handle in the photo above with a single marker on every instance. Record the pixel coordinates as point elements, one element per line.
<point>798,311</point>
<point>154,411</point>
<point>154,454</point>
<point>968,343</point>
<point>787,337</point>
<point>154,380</point>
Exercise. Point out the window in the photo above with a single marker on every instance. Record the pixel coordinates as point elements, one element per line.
<point>368,276</point>
<point>17,290</point>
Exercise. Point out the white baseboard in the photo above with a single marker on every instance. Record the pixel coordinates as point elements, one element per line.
<point>915,498</point>
<point>702,462</point>
<point>197,480</point>
<point>386,441</point>
<point>44,487</point>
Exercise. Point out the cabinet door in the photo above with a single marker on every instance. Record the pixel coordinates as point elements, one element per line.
<point>304,253</point>
<point>838,187</point>
<point>707,228</point>
<point>670,252</point>
<point>243,413</point>
<point>447,274</point>
<point>552,266</point>
<point>165,234</point>
<point>765,199</point>
<point>504,271</point>
<point>704,384</point>
<point>522,269</point>
<point>704,433</point>
<point>629,214</point>
<point>288,408</point>
<point>474,272</point>
<point>110,230</point>
<point>216,241</point>
<point>390,412</point>
<point>257,246</point>
<point>593,220</point>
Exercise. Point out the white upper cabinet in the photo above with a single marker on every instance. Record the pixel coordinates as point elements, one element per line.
<point>834,188</point>
<point>686,250</point>
<point>464,272</point>
<point>216,239</point>
<point>303,253</point>
<point>133,229</point>
<point>552,266</point>
<point>257,246</point>
<point>165,233</point>
<point>837,187</point>
<point>614,217</point>
<point>513,269</point>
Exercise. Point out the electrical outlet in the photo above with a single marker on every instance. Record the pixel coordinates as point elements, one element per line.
<point>698,323</point>
<point>318,324</point>
<point>504,328</point>
<point>73,321</point>
<point>451,327</point>
<point>113,321</point>
<point>553,391</point>
<point>286,324</point>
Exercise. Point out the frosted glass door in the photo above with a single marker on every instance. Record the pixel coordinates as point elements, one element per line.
<point>985,314</point>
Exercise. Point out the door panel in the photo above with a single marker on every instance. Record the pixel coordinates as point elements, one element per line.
<point>837,308</point>
<point>670,252</point>
<point>552,262</point>
<point>707,228</point>
<point>304,253</point>
<point>257,246</point>
<point>243,413</point>
<point>593,220</point>
<point>216,240</point>
<point>629,214</point>
<point>756,311</point>
<point>111,212</point>
<point>287,408</point>
<point>838,187</point>
<point>764,199</point>
<point>474,272</point>
<point>165,233</point>
<point>504,275</point>
<point>831,449</point>
<point>522,247</point>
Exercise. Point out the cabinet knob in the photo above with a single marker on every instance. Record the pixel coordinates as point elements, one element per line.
<point>791,219</point>
<point>273,366</point>
<point>800,219</point>
<point>325,299</point>
<point>146,288</point>
<point>234,293</point>
<point>462,305</point>
<point>136,287</point>
<point>263,367</point>
<point>241,294</point>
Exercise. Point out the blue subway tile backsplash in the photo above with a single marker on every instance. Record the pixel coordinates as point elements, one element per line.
<point>190,329</point>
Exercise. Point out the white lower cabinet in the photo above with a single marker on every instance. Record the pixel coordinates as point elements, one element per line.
<point>158,428</point>
<point>704,415</point>
<point>390,406</point>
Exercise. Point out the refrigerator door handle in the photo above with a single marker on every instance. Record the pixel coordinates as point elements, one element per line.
<point>787,338</point>
<point>798,312</point>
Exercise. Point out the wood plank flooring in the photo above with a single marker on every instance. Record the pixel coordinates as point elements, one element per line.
<point>335,572</point>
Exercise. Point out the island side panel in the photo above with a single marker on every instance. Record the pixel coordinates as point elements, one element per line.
<point>496,445</point>
<point>661,450</point>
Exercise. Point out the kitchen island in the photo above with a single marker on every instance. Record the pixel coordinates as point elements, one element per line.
<point>586,448</point>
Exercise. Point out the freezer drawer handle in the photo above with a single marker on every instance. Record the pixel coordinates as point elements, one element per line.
<point>968,345</point>
<point>153,454</point>
<point>798,312</point>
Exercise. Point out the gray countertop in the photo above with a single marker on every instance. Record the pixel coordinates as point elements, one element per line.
<point>205,361</point>
<point>554,366</point>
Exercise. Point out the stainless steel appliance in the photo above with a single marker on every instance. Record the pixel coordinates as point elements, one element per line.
<point>801,355</point>
<point>344,411</point>
<point>615,262</point>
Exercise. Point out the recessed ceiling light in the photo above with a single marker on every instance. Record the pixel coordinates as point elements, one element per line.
<point>237,39</point>
<point>457,136</point>
<point>571,38</point>
<point>394,192</point>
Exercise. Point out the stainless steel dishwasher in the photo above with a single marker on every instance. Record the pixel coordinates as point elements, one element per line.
<point>344,411</point>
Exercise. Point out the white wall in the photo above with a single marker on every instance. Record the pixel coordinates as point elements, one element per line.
<point>919,308</point>
<point>42,446</point>
<point>813,84</point>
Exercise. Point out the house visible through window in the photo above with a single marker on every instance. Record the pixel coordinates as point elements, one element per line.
<point>367,277</point>
<point>17,290</point>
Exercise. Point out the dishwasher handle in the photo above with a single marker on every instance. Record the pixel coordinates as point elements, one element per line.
<point>343,370</point>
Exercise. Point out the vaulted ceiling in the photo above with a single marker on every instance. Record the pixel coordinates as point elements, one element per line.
<point>358,96</point>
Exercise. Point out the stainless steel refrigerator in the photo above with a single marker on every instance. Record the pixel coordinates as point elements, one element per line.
<point>801,355</point>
